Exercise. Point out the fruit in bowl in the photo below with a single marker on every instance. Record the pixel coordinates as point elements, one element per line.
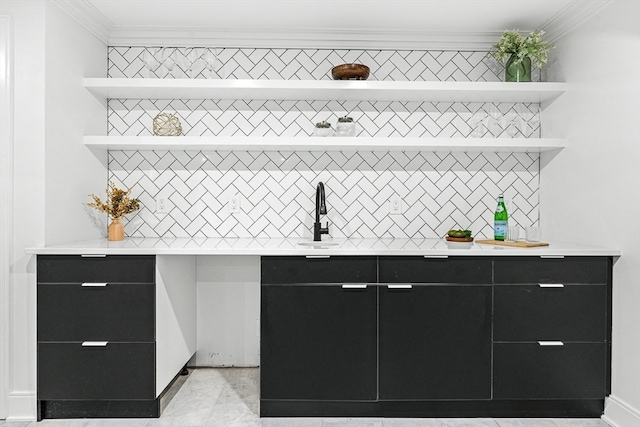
<point>459,236</point>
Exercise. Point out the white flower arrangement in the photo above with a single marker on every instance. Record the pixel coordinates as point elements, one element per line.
<point>532,46</point>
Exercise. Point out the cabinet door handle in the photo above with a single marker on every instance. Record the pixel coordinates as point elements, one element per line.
<point>550,343</point>
<point>354,286</point>
<point>93,255</point>
<point>436,256</point>
<point>94,285</point>
<point>552,256</point>
<point>317,256</point>
<point>400,286</point>
<point>95,343</point>
<point>551,285</point>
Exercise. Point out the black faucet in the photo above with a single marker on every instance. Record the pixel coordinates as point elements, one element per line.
<point>321,209</point>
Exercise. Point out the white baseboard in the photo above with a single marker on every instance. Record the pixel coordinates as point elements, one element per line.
<point>21,406</point>
<point>618,413</point>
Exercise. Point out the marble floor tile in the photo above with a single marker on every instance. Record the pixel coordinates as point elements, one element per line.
<point>60,423</point>
<point>107,422</point>
<point>468,422</point>
<point>291,422</point>
<point>232,415</point>
<point>575,422</point>
<point>352,422</point>
<point>411,422</point>
<point>241,385</point>
<point>525,422</point>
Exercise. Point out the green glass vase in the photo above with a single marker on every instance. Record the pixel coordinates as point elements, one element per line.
<point>518,72</point>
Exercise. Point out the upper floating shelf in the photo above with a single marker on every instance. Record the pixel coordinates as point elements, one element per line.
<point>235,143</point>
<point>323,90</point>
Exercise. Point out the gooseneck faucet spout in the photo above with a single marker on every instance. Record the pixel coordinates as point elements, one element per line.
<point>321,209</point>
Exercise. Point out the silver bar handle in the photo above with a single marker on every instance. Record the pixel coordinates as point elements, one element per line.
<point>95,343</point>
<point>317,256</point>
<point>552,256</point>
<point>93,255</point>
<point>436,256</point>
<point>94,285</point>
<point>354,286</point>
<point>551,285</point>
<point>400,286</point>
<point>550,343</point>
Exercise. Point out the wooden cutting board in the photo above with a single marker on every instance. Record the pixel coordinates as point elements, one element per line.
<point>518,244</point>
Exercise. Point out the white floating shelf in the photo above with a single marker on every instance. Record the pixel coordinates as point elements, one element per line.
<point>303,143</point>
<point>325,90</point>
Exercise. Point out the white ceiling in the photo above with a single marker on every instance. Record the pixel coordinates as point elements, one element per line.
<point>324,23</point>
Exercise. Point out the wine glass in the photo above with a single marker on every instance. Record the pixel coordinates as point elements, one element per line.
<point>210,58</point>
<point>493,123</point>
<point>194,57</point>
<point>168,59</point>
<point>182,61</point>
<point>511,118</point>
<point>151,63</point>
<point>477,124</point>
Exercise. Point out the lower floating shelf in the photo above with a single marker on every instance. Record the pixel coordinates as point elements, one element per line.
<point>304,143</point>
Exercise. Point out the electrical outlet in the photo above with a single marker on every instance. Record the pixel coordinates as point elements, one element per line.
<point>234,203</point>
<point>395,206</point>
<point>162,205</point>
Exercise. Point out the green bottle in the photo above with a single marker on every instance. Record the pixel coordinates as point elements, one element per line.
<point>500,220</point>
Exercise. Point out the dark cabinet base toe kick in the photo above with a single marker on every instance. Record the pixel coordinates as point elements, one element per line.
<point>58,409</point>
<point>563,408</point>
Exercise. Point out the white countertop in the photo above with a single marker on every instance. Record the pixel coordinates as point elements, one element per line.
<point>291,246</point>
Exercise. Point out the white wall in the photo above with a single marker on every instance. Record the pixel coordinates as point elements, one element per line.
<point>43,115</point>
<point>228,311</point>
<point>72,171</point>
<point>590,193</point>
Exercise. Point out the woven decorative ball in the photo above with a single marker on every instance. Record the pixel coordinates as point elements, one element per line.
<point>165,124</point>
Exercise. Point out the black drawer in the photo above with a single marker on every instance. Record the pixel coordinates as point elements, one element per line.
<point>467,270</point>
<point>552,270</point>
<point>534,313</point>
<point>115,312</point>
<point>112,268</point>
<point>335,269</point>
<point>530,371</point>
<point>116,371</point>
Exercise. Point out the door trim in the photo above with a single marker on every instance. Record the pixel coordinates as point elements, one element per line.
<point>6,202</point>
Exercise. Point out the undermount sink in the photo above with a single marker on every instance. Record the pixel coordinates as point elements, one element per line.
<point>312,243</point>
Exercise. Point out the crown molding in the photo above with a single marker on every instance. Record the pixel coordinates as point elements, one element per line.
<point>299,39</point>
<point>95,22</point>
<point>88,16</point>
<point>572,17</point>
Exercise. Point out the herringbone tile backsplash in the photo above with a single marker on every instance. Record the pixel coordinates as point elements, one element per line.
<point>439,190</point>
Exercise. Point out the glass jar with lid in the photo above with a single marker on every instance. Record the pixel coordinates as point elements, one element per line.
<point>346,127</point>
<point>323,128</point>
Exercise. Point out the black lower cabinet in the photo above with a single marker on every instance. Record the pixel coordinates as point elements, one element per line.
<point>435,342</point>
<point>96,348</point>
<point>435,337</point>
<point>318,342</point>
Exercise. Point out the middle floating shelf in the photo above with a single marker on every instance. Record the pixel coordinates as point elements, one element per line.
<point>328,90</point>
<point>305,143</point>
